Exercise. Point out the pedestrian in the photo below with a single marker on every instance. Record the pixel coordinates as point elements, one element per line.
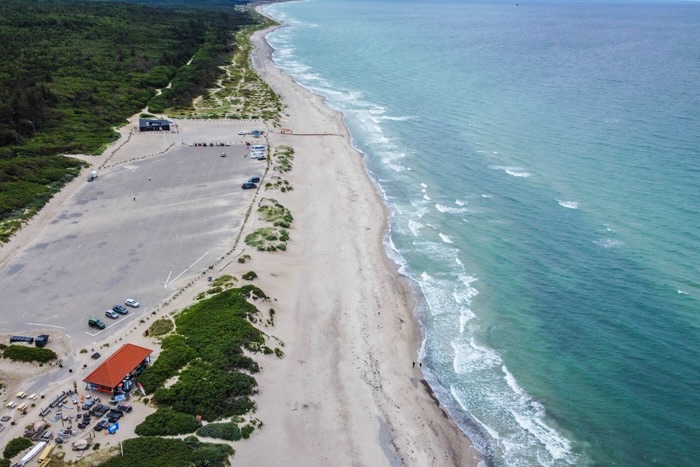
<point>134,198</point>
<point>149,179</point>
<point>414,364</point>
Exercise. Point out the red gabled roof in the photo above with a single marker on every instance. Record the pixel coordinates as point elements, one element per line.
<point>118,365</point>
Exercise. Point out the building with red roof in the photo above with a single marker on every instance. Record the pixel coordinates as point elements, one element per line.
<point>128,361</point>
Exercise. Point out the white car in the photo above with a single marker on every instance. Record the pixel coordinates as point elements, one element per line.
<point>242,132</point>
<point>132,303</point>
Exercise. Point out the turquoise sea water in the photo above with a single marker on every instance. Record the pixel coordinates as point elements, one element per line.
<point>541,163</point>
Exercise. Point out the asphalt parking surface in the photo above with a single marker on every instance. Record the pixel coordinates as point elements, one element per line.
<point>125,236</point>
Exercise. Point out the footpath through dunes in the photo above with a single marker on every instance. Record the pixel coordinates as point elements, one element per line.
<point>347,391</point>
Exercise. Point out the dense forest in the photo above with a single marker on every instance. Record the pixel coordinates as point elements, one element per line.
<point>72,71</point>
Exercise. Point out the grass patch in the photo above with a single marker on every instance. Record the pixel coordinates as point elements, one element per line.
<point>161,327</point>
<point>226,281</point>
<point>283,157</point>
<point>266,239</point>
<point>272,211</point>
<point>20,353</point>
<point>239,93</point>
<point>278,183</point>
<point>249,276</point>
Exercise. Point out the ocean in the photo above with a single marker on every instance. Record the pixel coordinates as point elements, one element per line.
<point>541,164</point>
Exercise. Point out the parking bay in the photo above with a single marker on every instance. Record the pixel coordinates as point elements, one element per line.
<point>141,230</point>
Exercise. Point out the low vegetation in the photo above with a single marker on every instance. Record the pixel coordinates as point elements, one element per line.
<point>166,452</point>
<point>229,431</point>
<point>283,158</point>
<point>272,211</point>
<point>161,327</point>
<point>239,93</point>
<point>207,354</point>
<point>20,353</point>
<point>278,183</point>
<point>167,422</point>
<point>249,276</point>
<point>271,238</point>
<point>243,259</point>
<point>15,446</point>
<point>268,239</point>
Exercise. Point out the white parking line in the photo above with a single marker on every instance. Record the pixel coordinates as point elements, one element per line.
<point>166,280</point>
<point>188,268</point>
<point>158,160</point>
<point>46,325</point>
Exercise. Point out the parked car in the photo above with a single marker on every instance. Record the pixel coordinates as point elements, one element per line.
<point>96,323</point>
<point>124,407</point>
<point>121,309</point>
<point>132,303</point>
<point>111,314</point>
<point>249,186</point>
<point>223,154</point>
<point>254,180</point>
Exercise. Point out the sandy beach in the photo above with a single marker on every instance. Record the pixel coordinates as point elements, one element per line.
<point>349,390</point>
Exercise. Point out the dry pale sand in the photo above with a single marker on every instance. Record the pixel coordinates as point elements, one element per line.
<point>346,392</point>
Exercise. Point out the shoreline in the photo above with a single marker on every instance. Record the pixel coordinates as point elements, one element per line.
<point>400,437</point>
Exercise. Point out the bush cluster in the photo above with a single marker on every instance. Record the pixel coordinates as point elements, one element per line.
<point>15,446</point>
<point>20,353</point>
<point>228,431</point>
<point>207,354</point>
<point>165,452</point>
<point>167,422</point>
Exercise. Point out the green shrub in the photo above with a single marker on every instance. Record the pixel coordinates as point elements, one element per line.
<point>165,452</point>
<point>167,422</point>
<point>15,446</point>
<point>228,431</point>
<point>249,276</point>
<point>20,353</point>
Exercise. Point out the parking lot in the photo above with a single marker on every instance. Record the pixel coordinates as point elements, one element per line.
<point>140,230</point>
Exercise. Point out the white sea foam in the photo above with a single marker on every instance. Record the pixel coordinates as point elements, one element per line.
<point>680,292</point>
<point>398,119</point>
<point>445,238</point>
<point>424,185</point>
<point>459,202</point>
<point>568,204</point>
<point>465,315</point>
<point>414,227</point>
<point>609,242</point>
<point>518,173</point>
<point>470,357</point>
<point>450,210</point>
<point>426,197</point>
<point>486,195</point>
<point>513,171</point>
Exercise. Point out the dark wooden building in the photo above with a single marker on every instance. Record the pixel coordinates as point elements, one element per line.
<point>150,124</point>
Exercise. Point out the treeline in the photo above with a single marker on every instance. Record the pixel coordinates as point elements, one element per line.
<point>72,71</point>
